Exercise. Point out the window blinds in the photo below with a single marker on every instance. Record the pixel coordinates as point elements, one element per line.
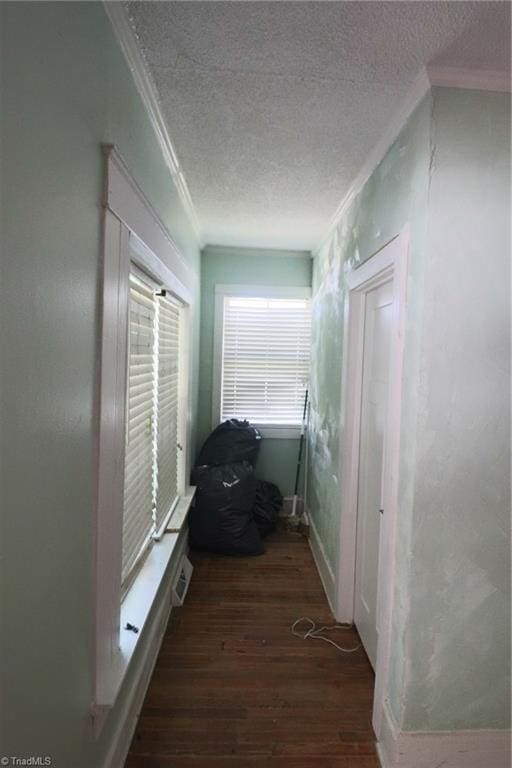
<point>265,359</point>
<point>152,409</point>
<point>167,410</point>
<point>138,521</point>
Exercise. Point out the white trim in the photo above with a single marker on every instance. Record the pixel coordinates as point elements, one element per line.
<point>143,80</point>
<point>134,699</point>
<point>110,444</point>
<point>450,749</point>
<point>137,604</point>
<point>136,609</point>
<point>231,250</point>
<point>124,197</point>
<point>388,739</point>
<point>389,262</point>
<point>157,535</point>
<point>218,354</point>
<point>278,432</point>
<point>351,387</point>
<point>153,267</point>
<point>258,292</point>
<point>323,566</point>
<point>178,517</point>
<point>128,219</point>
<point>416,93</point>
<point>471,79</point>
<point>373,271</point>
<point>264,291</point>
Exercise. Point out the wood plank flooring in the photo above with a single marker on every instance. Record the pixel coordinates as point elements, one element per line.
<point>233,688</point>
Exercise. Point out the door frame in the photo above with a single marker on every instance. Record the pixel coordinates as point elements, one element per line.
<point>390,262</point>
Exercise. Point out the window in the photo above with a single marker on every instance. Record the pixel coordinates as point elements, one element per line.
<point>143,428</point>
<point>151,446</point>
<point>263,342</point>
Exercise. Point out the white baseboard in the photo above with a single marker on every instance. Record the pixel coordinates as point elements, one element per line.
<point>134,699</point>
<point>449,749</point>
<point>323,566</point>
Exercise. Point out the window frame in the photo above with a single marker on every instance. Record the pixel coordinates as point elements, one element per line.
<point>247,291</point>
<point>132,234</point>
<point>134,268</point>
<point>145,261</point>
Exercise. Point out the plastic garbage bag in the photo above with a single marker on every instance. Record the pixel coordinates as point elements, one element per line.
<point>232,441</point>
<point>267,505</point>
<point>221,519</point>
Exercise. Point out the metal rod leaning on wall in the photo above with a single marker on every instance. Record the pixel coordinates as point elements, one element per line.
<point>305,517</point>
<point>299,459</point>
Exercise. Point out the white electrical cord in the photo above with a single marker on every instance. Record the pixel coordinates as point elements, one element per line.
<point>314,633</point>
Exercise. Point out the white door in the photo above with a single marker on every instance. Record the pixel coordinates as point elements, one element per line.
<point>376,363</point>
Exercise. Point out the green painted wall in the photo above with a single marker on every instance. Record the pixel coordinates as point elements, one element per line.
<point>222,266</point>
<point>65,89</point>
<point>448,176</point>
<point>395,194</point>
<point>458,629</point>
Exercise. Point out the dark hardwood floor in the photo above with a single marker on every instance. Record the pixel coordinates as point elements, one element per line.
<point>233,688</point>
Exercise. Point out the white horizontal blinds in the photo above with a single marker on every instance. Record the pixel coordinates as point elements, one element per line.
<point>265,359</point>
<point>138,518</point>
<point>167,409</point>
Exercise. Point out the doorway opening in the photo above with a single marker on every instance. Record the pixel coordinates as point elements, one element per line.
<point>372,396</point>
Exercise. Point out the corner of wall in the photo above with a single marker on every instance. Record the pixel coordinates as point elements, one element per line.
<point>453,749</point>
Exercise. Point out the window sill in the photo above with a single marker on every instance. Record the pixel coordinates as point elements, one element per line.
<point>278,431</point>
<point>138,602</point>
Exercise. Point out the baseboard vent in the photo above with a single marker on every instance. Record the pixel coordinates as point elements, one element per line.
<point>181,581</point>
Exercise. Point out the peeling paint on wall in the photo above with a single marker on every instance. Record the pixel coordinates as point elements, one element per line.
<point>448,176</point>
<point>459,636</point>
<point>394,195</point>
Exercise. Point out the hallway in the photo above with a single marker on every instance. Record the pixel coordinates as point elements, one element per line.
<point>233,688</point>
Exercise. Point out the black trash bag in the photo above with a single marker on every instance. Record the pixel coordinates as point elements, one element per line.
<point>221,519</point>
<point>231,442</point>
<point>267,505</point>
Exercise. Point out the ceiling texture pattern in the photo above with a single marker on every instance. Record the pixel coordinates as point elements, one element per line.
<point>273,107</point>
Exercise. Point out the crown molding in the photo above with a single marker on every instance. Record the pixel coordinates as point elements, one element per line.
<point>432,76</point>
<point>437,76</point>
<point>143,80</point>
<point>415,94</point>
<point>472,79</point>
<point>251,252</point>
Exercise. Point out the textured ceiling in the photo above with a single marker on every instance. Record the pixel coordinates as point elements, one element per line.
<point>273,106</point>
